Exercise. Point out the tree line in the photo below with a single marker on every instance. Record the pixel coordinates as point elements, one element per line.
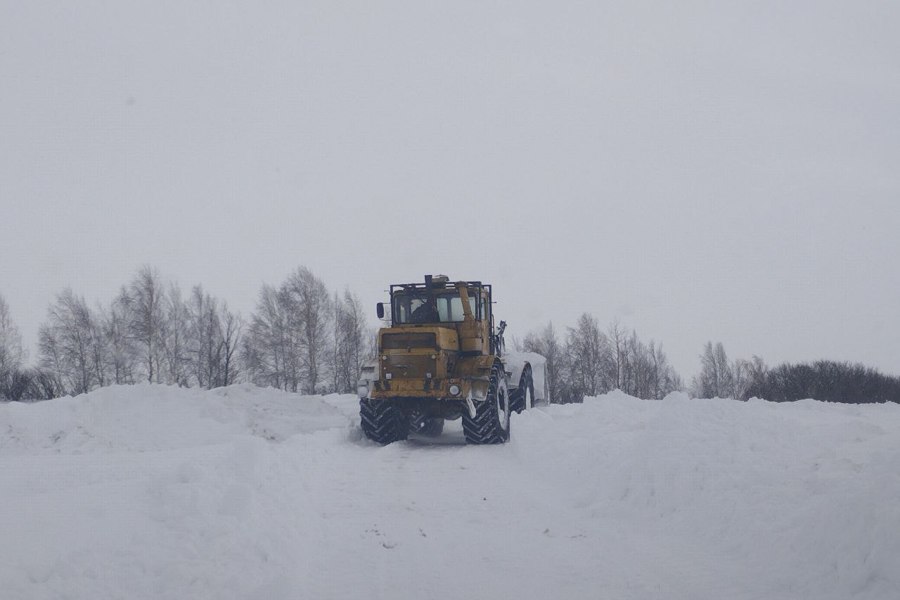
<point>589,361</point>
<point>300,338</point>
<point>825,380</point>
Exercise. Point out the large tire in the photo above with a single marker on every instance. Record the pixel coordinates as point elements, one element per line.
<point>491,422</point>
<point>382,422</point>
<point>523,398</point>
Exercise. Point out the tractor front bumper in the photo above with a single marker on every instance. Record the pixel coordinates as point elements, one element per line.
<point>465,388</point>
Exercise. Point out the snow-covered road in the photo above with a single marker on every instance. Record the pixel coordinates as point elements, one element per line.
<point>158,492</point>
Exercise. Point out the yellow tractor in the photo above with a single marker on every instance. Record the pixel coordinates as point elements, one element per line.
<point>441,358</point>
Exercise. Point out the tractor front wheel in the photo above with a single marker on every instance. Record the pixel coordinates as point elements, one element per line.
<point>490,425</point>
<point>382,421</point>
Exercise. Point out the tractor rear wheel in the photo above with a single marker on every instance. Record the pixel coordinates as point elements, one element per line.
<point>490,425</point>
<point>382,421</point>
<point>524,394</point>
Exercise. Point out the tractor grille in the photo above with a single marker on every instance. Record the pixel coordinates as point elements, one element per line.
<point>409,366</point>
<point>405,341</point>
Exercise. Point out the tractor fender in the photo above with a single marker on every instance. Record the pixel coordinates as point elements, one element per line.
<point>516,362</point>
<point>475,374</point>
<point>366,376</point>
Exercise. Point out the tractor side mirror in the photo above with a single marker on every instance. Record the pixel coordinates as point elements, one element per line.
<point>379,310</point>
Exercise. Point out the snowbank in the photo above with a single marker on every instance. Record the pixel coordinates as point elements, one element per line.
<point>150,491</point>
<point>156,417</point>
<point>157,492</point>
<point>793,500</point>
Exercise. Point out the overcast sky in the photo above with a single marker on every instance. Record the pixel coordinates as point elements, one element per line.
<point>699,170</point>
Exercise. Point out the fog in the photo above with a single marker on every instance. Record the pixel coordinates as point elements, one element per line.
<point>699,171</point>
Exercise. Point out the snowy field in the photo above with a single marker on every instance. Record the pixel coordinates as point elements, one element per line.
<point>158,492</point>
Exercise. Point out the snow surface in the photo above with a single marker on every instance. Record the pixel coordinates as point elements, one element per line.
<point>159,492</point>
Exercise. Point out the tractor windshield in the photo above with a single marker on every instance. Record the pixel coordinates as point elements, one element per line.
<point>413,307</point>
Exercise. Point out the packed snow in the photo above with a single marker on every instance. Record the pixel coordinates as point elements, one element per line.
<point>160,492</point>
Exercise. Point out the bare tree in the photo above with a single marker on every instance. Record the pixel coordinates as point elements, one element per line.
<point>646,370</point>
<point>726,372</point>
<point>174,338</point>
<point>203,319</point>
<point>230,329</point>
<point>309,313</point>
<point>593,363</point>
<point>716,378</point>
<point>29,385</point>
<point>72,343</point>
<point>589,357</point>
<point>665,379</point>
<point>349,343</point>
<point>121,356</point>
<point>753,378</point>
<point>637,367</point>
<point>11,353</point>
<point>618,363</point>
<point>706,383</point>
<point>147,319</point>
<point>100,351</point>
<point>288,340</point>
<point>335,357</point>
<point>146,332</point>
<point>270,348</point>
<point>213,336</point>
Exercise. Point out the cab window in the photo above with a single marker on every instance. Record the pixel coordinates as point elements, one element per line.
<point>413,308</point>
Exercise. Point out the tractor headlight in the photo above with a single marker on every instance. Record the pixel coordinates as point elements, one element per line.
<point>362,390</point>
<point>454,389</point>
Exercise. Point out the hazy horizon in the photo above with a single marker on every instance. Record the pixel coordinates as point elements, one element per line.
<point>699,172</point>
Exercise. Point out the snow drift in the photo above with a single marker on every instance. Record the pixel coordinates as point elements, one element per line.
<point>159,492</point>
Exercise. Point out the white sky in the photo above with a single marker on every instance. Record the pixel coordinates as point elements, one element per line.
<point>702,171</point>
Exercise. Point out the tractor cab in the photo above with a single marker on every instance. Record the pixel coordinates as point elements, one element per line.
<point>464,307</point>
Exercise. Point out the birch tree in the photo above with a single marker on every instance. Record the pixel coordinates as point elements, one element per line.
<point>308,305</point>
<point>350,342</point>
<point>72,345</point>
<point>589,357</point>
<point>174,338</point>
<point>147,319</point>
<point>230,329</point>
<point>269,350</point>
<point>11,353</point>
<point>716,378</point>
<point>122,353</point>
